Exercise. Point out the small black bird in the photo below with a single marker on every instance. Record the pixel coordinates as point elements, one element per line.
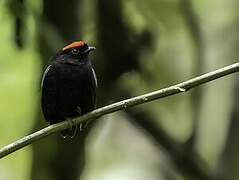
<point>69,85</point>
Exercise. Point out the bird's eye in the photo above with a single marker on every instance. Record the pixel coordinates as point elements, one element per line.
<point>75,51</point>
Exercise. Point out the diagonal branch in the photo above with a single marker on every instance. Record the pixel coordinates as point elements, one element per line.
<point>175,89</point>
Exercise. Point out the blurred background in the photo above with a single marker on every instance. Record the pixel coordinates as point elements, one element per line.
<point>142,45</point>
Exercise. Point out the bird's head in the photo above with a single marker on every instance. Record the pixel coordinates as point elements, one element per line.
<point>77,50</point>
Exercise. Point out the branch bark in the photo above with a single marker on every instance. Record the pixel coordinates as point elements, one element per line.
<point>175,89</point>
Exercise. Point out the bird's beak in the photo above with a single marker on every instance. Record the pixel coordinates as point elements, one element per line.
<point>90,48</point>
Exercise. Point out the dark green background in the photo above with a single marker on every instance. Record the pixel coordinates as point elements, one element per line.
<point>142,45</point>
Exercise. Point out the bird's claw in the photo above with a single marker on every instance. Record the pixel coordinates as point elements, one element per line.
<point>71,124</point>
<point>79,111</point>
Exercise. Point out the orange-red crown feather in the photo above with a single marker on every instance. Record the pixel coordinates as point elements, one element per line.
<point>74,44</point>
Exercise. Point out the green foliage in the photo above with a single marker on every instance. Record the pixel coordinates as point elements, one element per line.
<point>19,91</point>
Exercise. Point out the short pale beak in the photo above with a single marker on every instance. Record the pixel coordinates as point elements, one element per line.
<point>90,48</point>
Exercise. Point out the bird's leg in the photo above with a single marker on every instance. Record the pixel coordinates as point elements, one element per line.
<point>86,123</point>
<point>78,109</point>
<point>82,125</point>
<point>74,133</point>
<point>71,124</point>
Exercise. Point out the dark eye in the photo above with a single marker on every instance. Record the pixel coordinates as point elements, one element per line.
<point>75,51</point>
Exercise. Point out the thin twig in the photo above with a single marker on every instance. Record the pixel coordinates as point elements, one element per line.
<point>178,88</point>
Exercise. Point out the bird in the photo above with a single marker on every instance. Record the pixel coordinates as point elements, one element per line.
<point>69,85</point>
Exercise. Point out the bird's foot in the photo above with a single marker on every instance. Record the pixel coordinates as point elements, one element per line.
<point>70,122</point>
<point>78,109</point>
<point>71,132</point>
<point>84,125</point>
<point>80,126</point>
<point>73,128</point>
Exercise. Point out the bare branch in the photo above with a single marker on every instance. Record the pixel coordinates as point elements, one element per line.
<point>178,88</point>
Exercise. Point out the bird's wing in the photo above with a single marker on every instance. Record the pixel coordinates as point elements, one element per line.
<point>51,95</point>
<point>93,88</point>
<point>94,76</point>
<point>44,74</point>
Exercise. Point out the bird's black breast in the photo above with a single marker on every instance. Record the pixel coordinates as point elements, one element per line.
<point>66,87</point>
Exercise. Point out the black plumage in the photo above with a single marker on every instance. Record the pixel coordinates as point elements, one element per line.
<point>69,85</point>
